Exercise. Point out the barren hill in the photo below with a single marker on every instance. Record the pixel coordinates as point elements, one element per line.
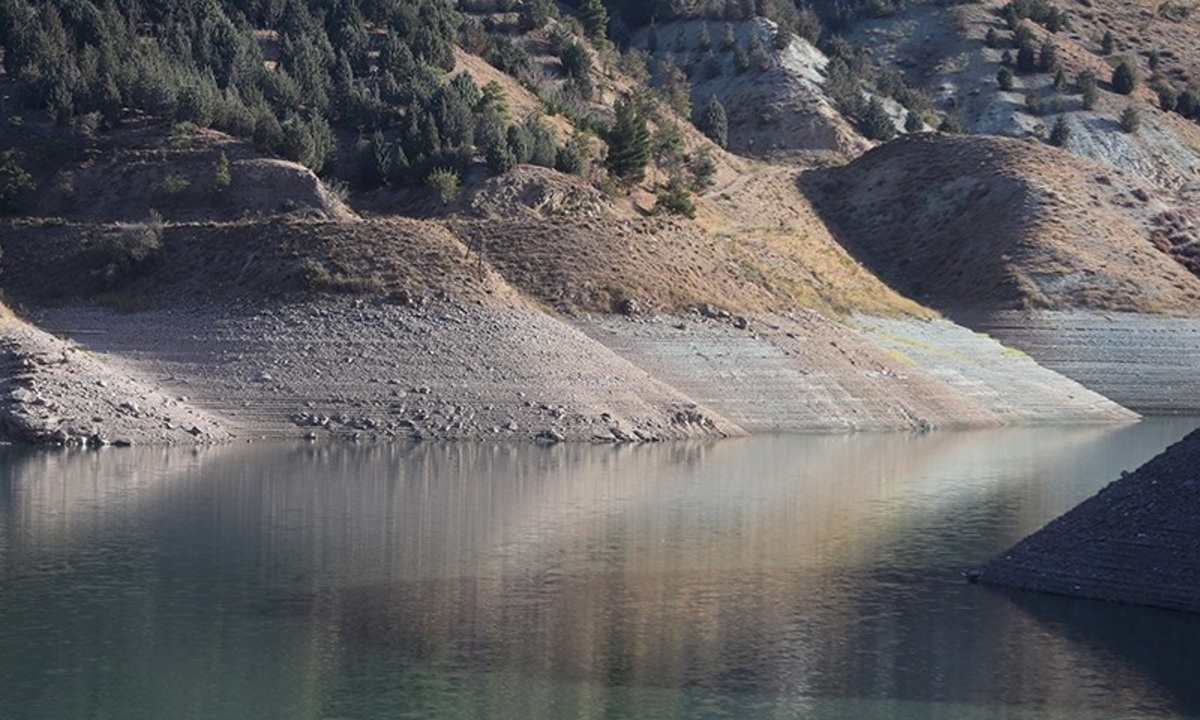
<point>984,222</point>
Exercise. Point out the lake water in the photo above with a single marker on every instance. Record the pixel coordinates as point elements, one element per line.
<point>766,577</point>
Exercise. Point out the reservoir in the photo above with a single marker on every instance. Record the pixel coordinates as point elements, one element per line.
<point>774,576</point>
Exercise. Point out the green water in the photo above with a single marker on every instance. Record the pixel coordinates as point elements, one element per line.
<point>767,577</point>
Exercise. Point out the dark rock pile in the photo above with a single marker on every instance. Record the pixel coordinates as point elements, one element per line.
<point>1136,541</point>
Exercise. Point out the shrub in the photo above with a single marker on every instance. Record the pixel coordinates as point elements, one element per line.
<point>1004,78</point>
<point>1060,132</point>
<point>444,184</point>
<point>704,170</point>
<point>15,183</point>
<point>876,122</point>
<point>221,175</point>
<point>1131,119</point>
<point>675,198</point>
<point>129,252</point>
<point>1107,43</point>
<point>1124,77</point>
<point>1088,88</point>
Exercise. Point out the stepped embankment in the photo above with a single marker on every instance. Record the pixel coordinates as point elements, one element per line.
<point>1136,541</point>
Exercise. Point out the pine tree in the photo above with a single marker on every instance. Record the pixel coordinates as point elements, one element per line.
<point>1048,57</point>
<point>912,122</point>
<point>1124,77</point>
<point>876,123</point>
<point>594,17</point>
<point>1004,78</point>
<point>1088,88</point>
<point>629,142</point>
<point>1060,133</point>
<point>1107,43</point>
<point>714,122</point>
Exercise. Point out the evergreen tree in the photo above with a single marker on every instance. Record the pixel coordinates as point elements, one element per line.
<point>714,122</point>
<point>1188,104</point>
<point>1004,78</point>
<point>1089,88</point>
<point>594,17</point>
<point>629,142</point>
<point>1048,57</point>
<point>1167,99</point>
<point>912,122</point>
<point>876,123</point>
<point>1026,59</point>
<point>1060,133</point>
<point>1107,43</point>
<point>534,14</point>
<point>1124,77</point>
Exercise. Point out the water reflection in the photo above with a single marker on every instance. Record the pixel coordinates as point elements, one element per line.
<point>765,577</point>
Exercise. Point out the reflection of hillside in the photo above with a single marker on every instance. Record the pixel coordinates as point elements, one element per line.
<point>768,567</point>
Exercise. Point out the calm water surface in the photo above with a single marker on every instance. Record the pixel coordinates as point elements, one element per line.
<point>767,577</point>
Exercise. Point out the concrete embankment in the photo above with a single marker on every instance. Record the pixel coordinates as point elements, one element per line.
<point>1136,541</point>
<point>1144,362</point>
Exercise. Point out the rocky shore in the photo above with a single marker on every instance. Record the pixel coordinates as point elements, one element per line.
<point>1136,541</point>
<point>417,369</point>
<point>54,391</point>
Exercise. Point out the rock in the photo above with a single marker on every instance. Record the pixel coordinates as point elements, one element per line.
<point>628,307</point>
<point>550,435</point>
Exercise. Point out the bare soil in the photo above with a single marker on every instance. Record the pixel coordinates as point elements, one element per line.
<point>979,222</point>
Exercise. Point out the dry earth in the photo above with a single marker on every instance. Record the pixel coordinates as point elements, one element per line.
<point>980,222</point>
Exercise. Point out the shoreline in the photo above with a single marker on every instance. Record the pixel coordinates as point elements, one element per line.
<point>483,369</point>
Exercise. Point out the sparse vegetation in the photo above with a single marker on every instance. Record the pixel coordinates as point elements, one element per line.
<point>1131,119</point>
<point>15,183</point>
<point>129,252</point>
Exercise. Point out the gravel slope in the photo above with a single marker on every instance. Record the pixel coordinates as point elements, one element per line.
<point>54,392</point>
<point>1144,362</point>
<point>477,369</point>
<point>1136,541</point>
<point>352,368</point>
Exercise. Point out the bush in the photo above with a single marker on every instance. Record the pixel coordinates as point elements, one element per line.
<point>444,184</point>
<point>130,252</point>
<point>1004,78</point>
<point>1124,78</point>
<point>15,183</point>
<point>221,174</point>
<point>1060,133</point>
<point>704,170</point>
<point>675,198</point>
<point>1131,119</point>
<point>1088,88</point>
<point>876,122</point>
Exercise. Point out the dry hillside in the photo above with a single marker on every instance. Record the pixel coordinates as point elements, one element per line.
<point>974,222</point>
